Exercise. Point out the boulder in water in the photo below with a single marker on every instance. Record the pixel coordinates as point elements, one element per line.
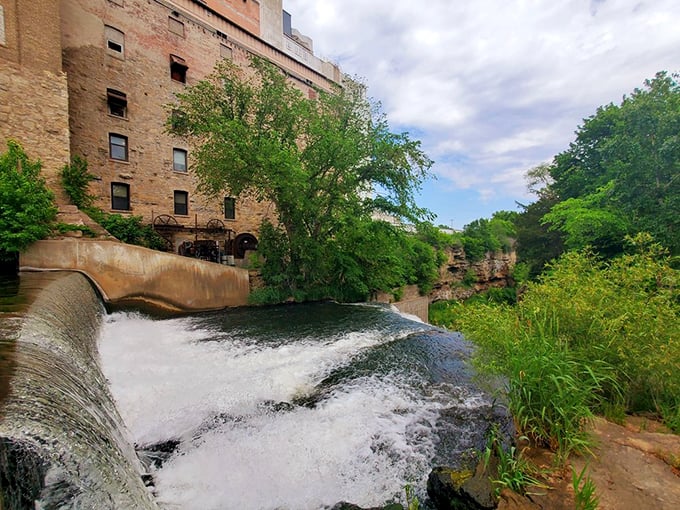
<point>453,489</point>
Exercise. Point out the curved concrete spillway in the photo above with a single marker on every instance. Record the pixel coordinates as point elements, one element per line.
<point>63,443</point>
<point>130,274</point>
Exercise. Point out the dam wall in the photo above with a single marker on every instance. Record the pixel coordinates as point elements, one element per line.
<point>132,275</point>
<point>62,441</point>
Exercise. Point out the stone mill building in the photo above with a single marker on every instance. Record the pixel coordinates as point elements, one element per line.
<point>92,78</point>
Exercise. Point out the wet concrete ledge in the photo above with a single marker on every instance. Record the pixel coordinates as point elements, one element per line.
<point>132,275</point>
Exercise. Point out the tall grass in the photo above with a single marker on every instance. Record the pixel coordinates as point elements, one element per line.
<point>589,336</point>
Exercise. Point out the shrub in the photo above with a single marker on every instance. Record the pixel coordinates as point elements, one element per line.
<point>130,229</point>
<point>588,337</point>
<point>26,204</point>
<point>75,179</point>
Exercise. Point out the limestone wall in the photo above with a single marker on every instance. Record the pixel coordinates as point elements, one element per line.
<point>153,31</point>
<point>493,270</point>
<point>129,274</point>
<point>33,90</point>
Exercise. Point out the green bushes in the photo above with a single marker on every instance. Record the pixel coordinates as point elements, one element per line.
<point>26,204</point>
<point>75,179</point>
<point>588,337</point>
<point>129,229</point>
<point>364,256</point>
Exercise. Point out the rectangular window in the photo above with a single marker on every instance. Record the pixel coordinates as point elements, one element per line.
<point>179,160</point>
<point>181,202</point>
<point>178,69</point>
<point>3,39</point>
<point>226,52</point>
<point>116,102</point>
<point>115,41</point>
<point>229,208</point>
<point>118,147</point>
<point>120,196</point>
<point>287,25</point>
<point>175,26</point>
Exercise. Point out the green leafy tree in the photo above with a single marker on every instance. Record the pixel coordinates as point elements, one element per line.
<point>631,151</point>
<point>536,243</point>
<point>318,161</point>
<point>27,207</point>
<point>589,222</point>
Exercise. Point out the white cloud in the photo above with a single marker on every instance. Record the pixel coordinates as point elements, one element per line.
<point>493,87</point>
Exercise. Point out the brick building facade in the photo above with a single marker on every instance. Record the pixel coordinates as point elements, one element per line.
<point>117,65</point>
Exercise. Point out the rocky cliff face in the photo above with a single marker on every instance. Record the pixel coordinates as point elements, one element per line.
<point>460,279</point>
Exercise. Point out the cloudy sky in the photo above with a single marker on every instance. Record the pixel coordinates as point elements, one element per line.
<point>492,88</point>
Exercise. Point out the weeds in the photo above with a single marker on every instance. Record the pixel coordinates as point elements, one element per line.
<point>588,338</point>
<point>514,472</point>
<point>584,490</point>
<point>412,502</point>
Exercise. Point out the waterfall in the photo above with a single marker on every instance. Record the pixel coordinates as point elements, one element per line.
<point>62,441</point>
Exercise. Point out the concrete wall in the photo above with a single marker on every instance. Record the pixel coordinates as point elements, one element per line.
<point>129,274</point>
<point>411,302</point>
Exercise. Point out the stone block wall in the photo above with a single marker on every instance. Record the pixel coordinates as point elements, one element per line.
<point>152,31</point>
<point>33,89</point>
<point>33,106</point>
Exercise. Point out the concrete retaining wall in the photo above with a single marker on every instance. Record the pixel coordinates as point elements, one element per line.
<point>131,274</point>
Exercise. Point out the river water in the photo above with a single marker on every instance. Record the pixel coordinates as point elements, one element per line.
<point>293,407</point>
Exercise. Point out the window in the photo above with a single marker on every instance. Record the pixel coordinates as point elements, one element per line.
<point>287,25</point>
<point>181,202</point>
<point>226,52</point>
<point>3,38</point>
<point>229,208</point>
<point>178,69</point>
<point>117,103</point>
<point>120,196</point>
<point>118,147</point>
<point>115,41</point>
<point>175,26</point>
<point>179,160</point>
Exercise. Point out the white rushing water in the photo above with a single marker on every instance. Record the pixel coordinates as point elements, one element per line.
<point>362,442</point>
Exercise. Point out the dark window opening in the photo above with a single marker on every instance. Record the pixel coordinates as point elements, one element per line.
<point>115,41</point>
<point>181,203</point>
<point>229,208</point>
<point>120,196</point>
<point>117,103</point>
<point>178,69</point>
<point>179,160</point>
<point>118,147</point>
<point>115,46</point>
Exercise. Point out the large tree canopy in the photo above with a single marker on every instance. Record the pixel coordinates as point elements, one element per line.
<point>326,163</point>
<point>620,176</point>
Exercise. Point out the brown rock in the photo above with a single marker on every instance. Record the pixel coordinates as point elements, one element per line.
<point>510,500</point>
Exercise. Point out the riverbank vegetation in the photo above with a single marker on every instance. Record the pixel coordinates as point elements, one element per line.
<point>590,336</point>
<point>593,327</point>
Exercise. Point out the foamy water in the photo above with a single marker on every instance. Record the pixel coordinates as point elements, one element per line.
<point>364,438</point>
